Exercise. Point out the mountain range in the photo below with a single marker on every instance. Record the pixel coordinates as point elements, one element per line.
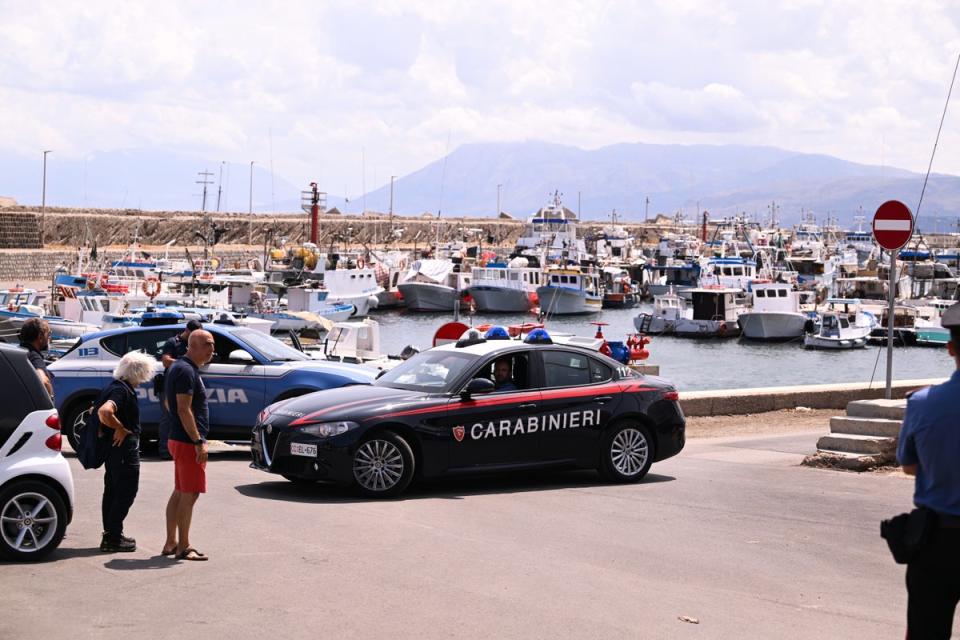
<point>721,179</point>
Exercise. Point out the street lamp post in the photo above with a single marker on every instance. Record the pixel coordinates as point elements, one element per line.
<point>250,210</point>
<point>43,201</point>
<point>499,187</point>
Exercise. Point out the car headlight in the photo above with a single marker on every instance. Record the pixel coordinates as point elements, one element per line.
<point>328,429</point>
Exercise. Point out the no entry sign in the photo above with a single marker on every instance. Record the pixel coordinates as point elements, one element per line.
<point>892,225</point>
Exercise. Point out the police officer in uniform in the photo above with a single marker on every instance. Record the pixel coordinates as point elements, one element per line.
<point>929,449</point>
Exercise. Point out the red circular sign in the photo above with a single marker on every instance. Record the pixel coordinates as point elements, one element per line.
<point>892,225</point>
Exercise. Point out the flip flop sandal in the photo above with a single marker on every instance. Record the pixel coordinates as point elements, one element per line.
<point>168,551</point>
<point>191,554</point>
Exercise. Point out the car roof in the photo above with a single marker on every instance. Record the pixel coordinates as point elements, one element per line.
<point>212,328</point>
<point>487,347</point>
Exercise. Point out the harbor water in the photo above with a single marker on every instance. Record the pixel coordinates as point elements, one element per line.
<point>694,365</point>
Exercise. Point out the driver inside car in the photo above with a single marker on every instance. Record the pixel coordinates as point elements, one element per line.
<point>503,375</point>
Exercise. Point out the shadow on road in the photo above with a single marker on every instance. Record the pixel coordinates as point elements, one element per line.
<point>138,564</point>
<point>451,489</point>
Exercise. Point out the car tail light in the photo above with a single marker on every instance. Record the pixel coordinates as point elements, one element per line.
<point>54,442</point>
<point>53,421</point>
<point>672,395</point>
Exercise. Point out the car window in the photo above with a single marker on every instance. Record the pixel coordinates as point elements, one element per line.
<point>508,372</point>
<point>429,371</point>
<point>268,346</point>
<point>150,342</point>
<point>223,347</point>
<point>15,397</point>
<point>114,344</point>
<point>599,372</point>
<point>565,369</point>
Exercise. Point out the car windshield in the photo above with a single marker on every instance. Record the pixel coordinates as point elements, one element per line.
<point>430,371</point>
<point>268,346</point>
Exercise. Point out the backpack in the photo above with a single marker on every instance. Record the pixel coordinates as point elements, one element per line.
<point>92,447</point>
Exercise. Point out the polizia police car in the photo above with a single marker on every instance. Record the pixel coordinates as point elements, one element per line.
<point>480,404</point>
<point>249,370</point>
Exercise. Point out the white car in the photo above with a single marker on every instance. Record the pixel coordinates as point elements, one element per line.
<point>36,486</point>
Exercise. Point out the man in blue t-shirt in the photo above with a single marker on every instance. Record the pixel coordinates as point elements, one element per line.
<point>929,449</point>
<point>189,425</point>
<point>173,349</point>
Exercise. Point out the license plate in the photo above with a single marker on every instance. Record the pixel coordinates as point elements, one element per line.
<point>299,449</point>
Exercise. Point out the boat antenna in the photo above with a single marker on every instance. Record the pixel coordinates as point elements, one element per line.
<point>443,178</point>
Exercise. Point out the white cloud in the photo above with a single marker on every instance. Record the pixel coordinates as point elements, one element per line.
<point>399,77</point>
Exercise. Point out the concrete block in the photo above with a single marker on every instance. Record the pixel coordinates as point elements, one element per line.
<point>879,427</point>
<point>887,409</point>
<point>850,443</point>
<point>827,459</point>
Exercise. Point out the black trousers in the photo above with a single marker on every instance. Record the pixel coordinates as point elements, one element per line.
<point>120,484</point>
<point>933,587</point>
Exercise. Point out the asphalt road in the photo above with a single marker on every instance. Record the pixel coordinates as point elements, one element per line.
<point>732,534</point>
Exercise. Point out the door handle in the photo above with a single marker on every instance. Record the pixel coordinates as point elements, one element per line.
<point>602,399</point>
<point>531,405</point>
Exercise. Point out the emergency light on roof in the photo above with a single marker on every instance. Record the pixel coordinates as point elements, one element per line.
<point>470,337</point>
<point>496,332</point>
<point>538,336</point>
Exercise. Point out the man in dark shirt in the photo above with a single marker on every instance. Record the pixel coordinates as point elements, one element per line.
<point>173,349</point>
<point>189,424</point>
<point>35,337</point>
<point>929,448</point>
<point>503,375</point>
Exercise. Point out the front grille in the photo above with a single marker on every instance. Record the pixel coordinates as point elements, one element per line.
<point>264,445</point>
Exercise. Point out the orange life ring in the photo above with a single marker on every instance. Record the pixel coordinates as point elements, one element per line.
<point>151,287</point>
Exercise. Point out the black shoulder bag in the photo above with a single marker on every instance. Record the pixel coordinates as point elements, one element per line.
<point>908,533</point>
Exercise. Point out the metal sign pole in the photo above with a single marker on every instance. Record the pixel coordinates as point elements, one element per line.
<point>892,281</point>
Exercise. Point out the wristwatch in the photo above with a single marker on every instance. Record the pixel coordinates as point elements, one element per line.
<point>199,442</point>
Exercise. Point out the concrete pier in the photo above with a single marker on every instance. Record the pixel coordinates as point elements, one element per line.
<point>815,396</point>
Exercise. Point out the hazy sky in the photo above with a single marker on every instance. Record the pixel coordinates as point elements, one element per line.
<point>401,80</point>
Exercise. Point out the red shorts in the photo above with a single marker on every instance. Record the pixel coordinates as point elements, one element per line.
<point>189,475</point>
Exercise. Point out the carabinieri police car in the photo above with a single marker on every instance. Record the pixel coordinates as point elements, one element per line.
<point>249,370</point>
<point>484,403</point>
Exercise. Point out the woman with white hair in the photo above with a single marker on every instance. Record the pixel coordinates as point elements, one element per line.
<point>117,409</point>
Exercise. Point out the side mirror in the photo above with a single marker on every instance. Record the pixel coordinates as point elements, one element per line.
<point>477,386</point>
<point>239,355</point>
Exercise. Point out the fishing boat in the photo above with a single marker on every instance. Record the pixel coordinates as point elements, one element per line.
<point>505,288</point>
<point>715,313</point>
<point>433,285</point>
<point>775,314</point>
<point>569,291</point>
<point>668,309</point>
<point>836,331</point>
<point>619,291</point>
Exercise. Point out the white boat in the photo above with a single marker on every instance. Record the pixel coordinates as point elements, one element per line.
<point>569,291</point>
<point>668,309</point>
<point>731,273</point>
<point>505,288</point>
<point>433,285</point>
<point>550,235</point>
<point>714,314</point>
<point>357,287</point>
<point>775,314</point>
<point>836,331</point>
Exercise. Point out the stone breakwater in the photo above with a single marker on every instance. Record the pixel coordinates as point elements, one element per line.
<point>20,227</point>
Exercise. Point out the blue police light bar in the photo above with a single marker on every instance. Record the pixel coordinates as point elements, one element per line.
<point>538,336</point>
<point>497,333</point>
